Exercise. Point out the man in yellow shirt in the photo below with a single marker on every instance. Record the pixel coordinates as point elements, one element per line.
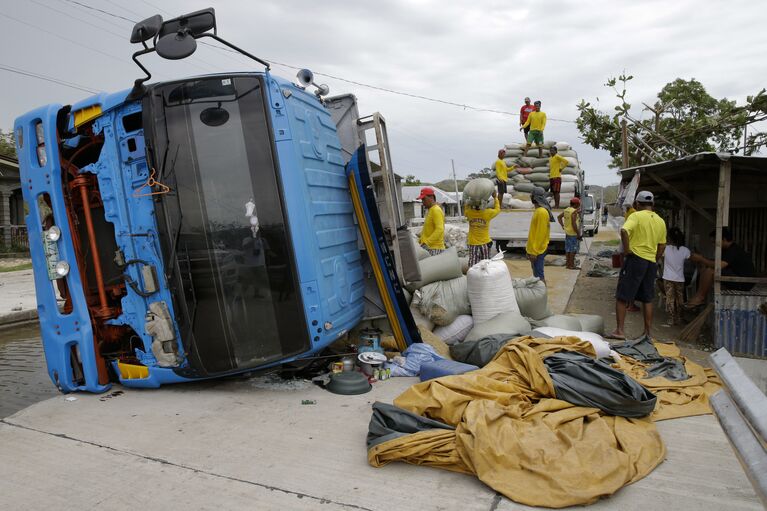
<point>479,231</point>
<point>433,233</point>
<point>502,174</point>
<point>557,163</point>
<point>568,219</point>
<point>537,123</point>
<point>538,237</point>
<point>644,240</point>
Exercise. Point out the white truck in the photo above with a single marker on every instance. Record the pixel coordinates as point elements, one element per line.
<point>591,209</point>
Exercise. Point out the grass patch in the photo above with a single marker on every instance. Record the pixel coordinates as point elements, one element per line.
<point>18,267</point>
<point>612,243</point>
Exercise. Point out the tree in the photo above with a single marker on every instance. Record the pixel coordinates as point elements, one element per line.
<point>486,173</point>
<point>684,120</point>
<point>411,180</point>
<point>7,144</point>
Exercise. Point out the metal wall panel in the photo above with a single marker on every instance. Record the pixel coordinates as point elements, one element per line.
<point>741,323</point>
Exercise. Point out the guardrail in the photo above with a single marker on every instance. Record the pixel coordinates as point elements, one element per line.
<point>741,409</point>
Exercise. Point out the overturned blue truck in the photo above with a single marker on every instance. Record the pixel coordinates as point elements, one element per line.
<point>188,229</point>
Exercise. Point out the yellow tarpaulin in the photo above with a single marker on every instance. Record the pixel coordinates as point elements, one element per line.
<point>520,440</point>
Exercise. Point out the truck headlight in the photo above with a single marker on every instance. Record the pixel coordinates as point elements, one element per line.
<point>61,269</point>
<point>42,158</point>
<point>39,133</point>
<point>53,234</point>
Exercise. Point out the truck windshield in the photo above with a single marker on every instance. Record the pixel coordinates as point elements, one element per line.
<point>588,204</point>
<point>224,232</point>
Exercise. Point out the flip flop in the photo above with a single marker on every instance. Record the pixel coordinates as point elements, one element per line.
<point>617,337</point>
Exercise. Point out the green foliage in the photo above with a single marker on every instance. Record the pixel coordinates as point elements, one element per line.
<point>449,186</point>
<point>411,180</point>
<point>7,144</point>
<point>684,119</point>
<point>486,172</point>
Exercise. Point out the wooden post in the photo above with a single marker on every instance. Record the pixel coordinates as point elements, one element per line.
<point>624,144</point>
<point>722,216</point>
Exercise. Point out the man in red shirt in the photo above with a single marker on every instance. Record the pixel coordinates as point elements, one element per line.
<point>523,113</point>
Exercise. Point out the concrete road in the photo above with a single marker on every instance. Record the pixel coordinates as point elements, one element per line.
<point>250,444</point>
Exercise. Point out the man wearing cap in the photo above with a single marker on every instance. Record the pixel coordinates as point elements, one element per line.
<point>536,121</point>
<point>502,175</point>
<point>433,233</point>
<point>538,237</point>
<point>524,112</point>
<point>644,240</point>
<point>557,163</point>
<point>568,219</point>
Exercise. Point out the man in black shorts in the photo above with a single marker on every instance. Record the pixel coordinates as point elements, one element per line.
<point>644,239</point>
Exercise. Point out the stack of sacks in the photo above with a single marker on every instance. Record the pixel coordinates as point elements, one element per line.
<point>441,297</point>
<point>484,302</point>
<point>533,171</point>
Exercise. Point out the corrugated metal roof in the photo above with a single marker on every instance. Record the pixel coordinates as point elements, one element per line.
<point>410,194</point>
<point>701,161</point>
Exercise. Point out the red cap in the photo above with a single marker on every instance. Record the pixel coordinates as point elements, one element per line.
<point>426,190</point>
<point>576,201</point>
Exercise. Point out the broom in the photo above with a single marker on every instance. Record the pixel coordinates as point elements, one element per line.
<point>691,332</point>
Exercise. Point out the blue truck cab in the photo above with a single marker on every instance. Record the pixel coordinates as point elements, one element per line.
<point>189,229</point>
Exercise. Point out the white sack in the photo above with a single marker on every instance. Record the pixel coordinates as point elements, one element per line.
<point>477,191</point>
<point>456,331</point>
<point>444,266</point>
<point>558,321</point>
<point>441,302</point>
<point>511,323</point>
<point>532,297</point>
<point>601,346</point>
<point>591,322</point>
<point>490,289</point>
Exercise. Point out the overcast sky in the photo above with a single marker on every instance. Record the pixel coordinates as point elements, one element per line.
<point>488,54</point>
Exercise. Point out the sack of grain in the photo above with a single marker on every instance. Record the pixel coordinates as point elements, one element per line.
<point>445,300</point>
<point>444,266</point>
<point>572,162</point>
<point>526,187</point>
<point>563,146</point>
<point>591,322</point>
<point>477,191</point>
<point>510,323</point>
<point>490,289</point>
<point>456,331</point>
<point>558,321</point>
<point>532,297</point>
<point>566,154</point>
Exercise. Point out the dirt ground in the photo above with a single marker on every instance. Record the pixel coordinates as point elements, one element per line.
<point>595,295</point>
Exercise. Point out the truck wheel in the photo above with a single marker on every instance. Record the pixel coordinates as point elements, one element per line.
<point>596,229</point>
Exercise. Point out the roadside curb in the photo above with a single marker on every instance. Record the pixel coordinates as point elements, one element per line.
<point>17,318</point>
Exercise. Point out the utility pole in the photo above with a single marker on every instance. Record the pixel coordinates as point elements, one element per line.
<point>624,144</point>
<point>455,183</point>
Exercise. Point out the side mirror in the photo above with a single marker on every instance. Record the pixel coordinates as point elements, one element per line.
<point>176,46</point>
<point>196,23</point>
<point>145,30</point>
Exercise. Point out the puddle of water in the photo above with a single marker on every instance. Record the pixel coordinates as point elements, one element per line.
<point>23,375</point>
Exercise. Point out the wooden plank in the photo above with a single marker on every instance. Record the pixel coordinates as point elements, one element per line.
<point>679,195</point>
<point>722,204</point>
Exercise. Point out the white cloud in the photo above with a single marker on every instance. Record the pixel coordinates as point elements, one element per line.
<point>488,53</point>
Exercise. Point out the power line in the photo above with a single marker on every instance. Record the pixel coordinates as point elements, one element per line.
<point>100,10</point>
<point>46,78</point>
<point>346,80</point>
